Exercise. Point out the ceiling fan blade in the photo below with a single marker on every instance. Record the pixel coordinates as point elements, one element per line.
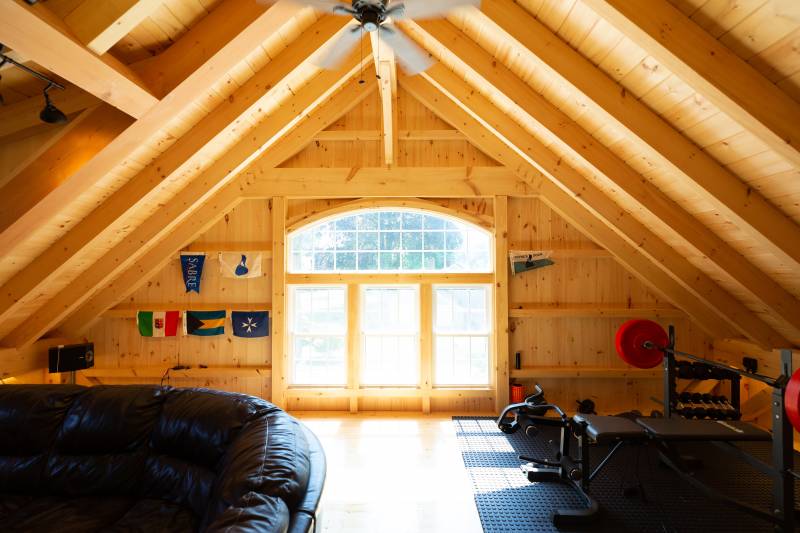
<point>340,48</point>
<point>326,6</point>
<point>411,57</point>
<point>422,9</point>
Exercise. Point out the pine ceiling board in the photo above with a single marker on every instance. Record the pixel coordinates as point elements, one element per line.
<point>600,41</point>
<point>690,112</point>
<point>688,6</point>
<point>781,60</point>
<point>622,59</point>
<point>553,13</point>
<point>719,16</point>
<point>645,76</point>
<point>736,148</point>
<point>715,128</point>
<point>579,23</point>
<point>762,28</point>
<point>791,86</point>
<point>667,93</point>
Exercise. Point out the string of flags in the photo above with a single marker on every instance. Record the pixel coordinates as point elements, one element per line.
<point>236,265</point>
<point>246,324</point>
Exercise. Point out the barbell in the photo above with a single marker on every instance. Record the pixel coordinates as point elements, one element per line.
<point>643,343</point>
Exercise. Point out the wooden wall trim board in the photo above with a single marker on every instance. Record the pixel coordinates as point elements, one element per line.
<point>701,60</point>
<point>766,224</point>
<point>502,356</point>
<point>157,372</point>
<point>544,372</point>
<point>42,37</point>
<point>176,160</point>
<point>338,94</point>
<point>628,180</point>
<point>426,344</point>
<point>280,366</point>
<point>130,311</point>
<point>377,135</point>
<point>149,124</point>
<point>484,221</point>
<point>542,310</point>
<point>570,179</point>
<point>388,278</point>
<point>353,342</point>
<point>356,182</point>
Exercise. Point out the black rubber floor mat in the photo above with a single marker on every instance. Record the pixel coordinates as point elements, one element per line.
<point>507,502</point>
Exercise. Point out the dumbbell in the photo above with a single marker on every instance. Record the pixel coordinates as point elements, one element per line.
<point>683,369</point>
<point>701,371</point>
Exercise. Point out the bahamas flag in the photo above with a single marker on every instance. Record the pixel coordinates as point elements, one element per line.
<point>204,323</point>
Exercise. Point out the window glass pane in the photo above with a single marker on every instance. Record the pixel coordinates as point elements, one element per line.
<point>390,335</point>
<point>447,244</point>
<point>461,328</point>
<point>318,327</point>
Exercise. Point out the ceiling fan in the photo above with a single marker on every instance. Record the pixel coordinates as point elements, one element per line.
<point>372,16</point>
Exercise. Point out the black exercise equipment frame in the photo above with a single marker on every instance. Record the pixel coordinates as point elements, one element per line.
<point>573,469</point>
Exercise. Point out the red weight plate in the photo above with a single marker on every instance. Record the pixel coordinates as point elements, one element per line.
<point>792,400</point>
<point>631,338</point>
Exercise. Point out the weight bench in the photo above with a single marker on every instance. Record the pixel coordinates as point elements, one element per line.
<point>591,430</point>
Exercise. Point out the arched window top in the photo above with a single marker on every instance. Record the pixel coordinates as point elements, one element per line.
<point>390,240</point>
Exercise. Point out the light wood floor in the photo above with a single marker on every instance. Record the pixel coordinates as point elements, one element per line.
<point>393,473</point>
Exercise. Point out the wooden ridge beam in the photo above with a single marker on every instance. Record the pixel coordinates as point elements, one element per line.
<point>329,97</point>
<point>20,222</point>
<point>706,64</point>
<point>43,38</point>
<point>768,226</point>
<point>176,160</point>
<point>100,24</point>
<point>386,70</point>
<point>361,182</point>
<point>782,303</point>
<point>571,180</point>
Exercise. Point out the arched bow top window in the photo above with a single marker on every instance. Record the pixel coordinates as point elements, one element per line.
<point>390,240</point>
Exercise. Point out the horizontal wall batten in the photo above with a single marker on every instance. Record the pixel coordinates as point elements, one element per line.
<point>522,310</point>
<point>152,372</point>
<point>129,311</point>
<point>348,278</point>
<point>586,372</point>
<point>213,247</point>
<point>402,182</point>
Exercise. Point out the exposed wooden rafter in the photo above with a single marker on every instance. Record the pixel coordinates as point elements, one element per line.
<point>728,81</point>
<point>177,159</point>
<point>129,267</point>
<point>766,224</point>
<point>43,38</point>
<point>628,180</point>
<point>36,209</point>
<point>100,24</point>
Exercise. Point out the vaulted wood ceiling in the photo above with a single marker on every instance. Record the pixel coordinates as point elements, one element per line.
<point>670,135</point>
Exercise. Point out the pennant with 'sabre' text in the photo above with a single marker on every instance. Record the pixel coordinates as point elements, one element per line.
<point>192,268</point>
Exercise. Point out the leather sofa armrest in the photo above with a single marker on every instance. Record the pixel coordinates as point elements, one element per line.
<point>305,516</point>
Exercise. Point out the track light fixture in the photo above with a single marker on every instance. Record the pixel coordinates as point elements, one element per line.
<point>50,113</point>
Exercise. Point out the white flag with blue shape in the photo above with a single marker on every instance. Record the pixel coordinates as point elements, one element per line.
<point>240,264</point>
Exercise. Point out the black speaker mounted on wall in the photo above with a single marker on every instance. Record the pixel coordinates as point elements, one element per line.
<point>70,357</point>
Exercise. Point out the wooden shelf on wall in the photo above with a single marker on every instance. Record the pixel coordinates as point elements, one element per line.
<point>157,372</point>
<point>537,310</point>
<point>129,311</point>
<point>587,372</point>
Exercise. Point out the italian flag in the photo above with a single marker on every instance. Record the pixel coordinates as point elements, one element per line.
<point>157,323</point>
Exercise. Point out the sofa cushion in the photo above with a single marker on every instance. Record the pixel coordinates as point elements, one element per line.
<point>178,481</point>
<point>256,513</point>
<point>110,419</point>
<point>40,411</point>
<point>198,424</point>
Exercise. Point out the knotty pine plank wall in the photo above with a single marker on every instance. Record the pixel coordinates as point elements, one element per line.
<point>579,341</point>
<point>117,340</point>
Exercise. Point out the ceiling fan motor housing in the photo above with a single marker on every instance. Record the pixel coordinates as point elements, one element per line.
<point>370,15</point>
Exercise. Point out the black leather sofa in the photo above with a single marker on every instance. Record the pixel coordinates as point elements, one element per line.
<point>149,458</point>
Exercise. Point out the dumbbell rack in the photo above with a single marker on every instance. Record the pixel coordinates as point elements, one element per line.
<point>671,380</point>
